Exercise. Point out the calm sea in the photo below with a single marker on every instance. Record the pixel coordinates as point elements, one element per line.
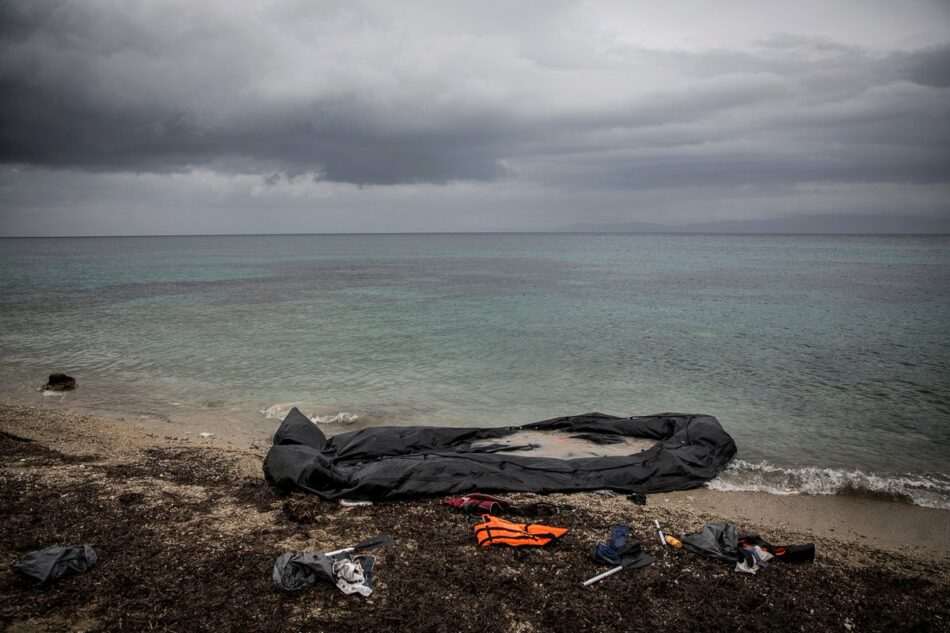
<point>826,357</point>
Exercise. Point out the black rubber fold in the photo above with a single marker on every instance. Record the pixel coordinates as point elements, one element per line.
<point>391,462</point>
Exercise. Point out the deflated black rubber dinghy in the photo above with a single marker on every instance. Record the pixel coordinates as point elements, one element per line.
<point>392,462</point>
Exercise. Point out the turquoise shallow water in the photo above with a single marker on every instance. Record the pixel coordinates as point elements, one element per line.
<point>827,358</point>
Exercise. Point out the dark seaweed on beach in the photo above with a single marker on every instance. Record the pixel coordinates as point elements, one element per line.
<point>169,562</point>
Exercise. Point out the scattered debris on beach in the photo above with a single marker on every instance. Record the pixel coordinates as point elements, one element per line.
<point>187,537</point>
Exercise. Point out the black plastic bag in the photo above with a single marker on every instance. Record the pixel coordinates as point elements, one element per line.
<point>49,565</point>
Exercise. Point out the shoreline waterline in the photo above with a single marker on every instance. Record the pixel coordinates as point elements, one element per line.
<point>879,520</point>
<point>255,429</point>
<point>813,351</point>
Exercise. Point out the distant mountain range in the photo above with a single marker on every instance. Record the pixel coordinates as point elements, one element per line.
<point>820,224</point>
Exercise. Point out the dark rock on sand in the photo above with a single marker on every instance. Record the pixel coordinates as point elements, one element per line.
<point>60,382</point>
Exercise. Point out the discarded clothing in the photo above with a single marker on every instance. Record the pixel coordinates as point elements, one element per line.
<point>608,553</point>
<point>752,559</point>
<point>352,577</point>
<point>478,503</point>
<point>618,552</point>
<point>295,572</point>
<point>497,531</point>
<point>755,555</point>
<point>398,462</point>
<point>721,540</point>
<point>804,553</point>
<point>49,565</point>
<point>743,566</point>
<point>717,540</point>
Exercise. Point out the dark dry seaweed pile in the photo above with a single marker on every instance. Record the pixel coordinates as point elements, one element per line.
<point>166,563</point>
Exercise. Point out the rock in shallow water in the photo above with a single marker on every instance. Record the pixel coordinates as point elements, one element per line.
<point>60,382</point>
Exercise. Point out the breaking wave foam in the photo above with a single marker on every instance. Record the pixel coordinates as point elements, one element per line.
<point>930,490</point>
<point>280,411</point>
<point>343,417</point>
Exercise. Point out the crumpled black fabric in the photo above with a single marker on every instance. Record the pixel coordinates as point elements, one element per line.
<point>392,462</point>
<point>49,565</point>
<point>717,540</point>
<point>294,572</point>
<point>618,552</point>
<point>638,498</point>
<point>801,553</point>
<point>722,541</point>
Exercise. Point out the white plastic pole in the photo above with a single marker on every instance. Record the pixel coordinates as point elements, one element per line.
<point>339,551</point>
<point>600,577</point>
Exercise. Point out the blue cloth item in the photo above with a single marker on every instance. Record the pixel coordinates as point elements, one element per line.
<point>620,553</point>
<point>610,553</point>
<point>618,535</point>
<point>605,554</point>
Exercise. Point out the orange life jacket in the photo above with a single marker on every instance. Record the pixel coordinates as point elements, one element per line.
<point>497,531</point>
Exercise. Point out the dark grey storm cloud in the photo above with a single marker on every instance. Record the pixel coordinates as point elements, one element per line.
<point>590,97</point>
<point>108,88</point>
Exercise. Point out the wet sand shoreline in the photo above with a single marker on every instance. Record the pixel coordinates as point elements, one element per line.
<point>893,524</point>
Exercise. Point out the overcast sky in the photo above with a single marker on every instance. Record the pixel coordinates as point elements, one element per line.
<point>125,117</point>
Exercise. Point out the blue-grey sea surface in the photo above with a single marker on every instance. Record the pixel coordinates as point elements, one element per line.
<point>826,357</point>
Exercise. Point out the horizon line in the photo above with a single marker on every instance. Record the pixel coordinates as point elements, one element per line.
<point>508,232</point>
